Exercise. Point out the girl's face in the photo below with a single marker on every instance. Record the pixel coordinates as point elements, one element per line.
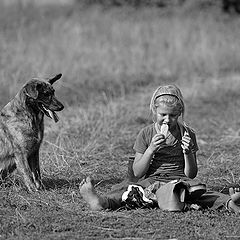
<point>168,115</point>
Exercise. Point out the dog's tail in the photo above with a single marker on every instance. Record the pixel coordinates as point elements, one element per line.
<point>54,79</point>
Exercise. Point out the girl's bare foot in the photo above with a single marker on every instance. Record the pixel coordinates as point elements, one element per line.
<point>89,194</point>
<point>234,202</point>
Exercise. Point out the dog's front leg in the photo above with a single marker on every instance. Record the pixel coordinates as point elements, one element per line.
<point>33,162</point>
<point>23,167</point>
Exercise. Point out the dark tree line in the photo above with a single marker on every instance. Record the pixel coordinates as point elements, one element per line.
<point>228,6</point>
<point>231,5</point>
<point>134,3</point>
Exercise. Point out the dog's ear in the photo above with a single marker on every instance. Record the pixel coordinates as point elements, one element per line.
<point>31,90</point>
<point>54,79</point>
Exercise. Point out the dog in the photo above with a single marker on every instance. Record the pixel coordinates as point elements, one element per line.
<point>22,129</point>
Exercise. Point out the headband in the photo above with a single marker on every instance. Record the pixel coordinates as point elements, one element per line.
<point>170,94</point>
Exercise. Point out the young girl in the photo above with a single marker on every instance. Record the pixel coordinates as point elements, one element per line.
<point>165,164</point>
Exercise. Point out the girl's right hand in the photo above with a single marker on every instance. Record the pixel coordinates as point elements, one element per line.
<point>156,142</point>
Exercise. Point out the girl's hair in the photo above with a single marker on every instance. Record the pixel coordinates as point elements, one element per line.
<point>169,95</point>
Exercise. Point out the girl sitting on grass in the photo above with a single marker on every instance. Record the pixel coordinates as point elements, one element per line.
<point>165,164</point>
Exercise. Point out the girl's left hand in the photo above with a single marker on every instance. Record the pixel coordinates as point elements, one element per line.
<point>186,143</point>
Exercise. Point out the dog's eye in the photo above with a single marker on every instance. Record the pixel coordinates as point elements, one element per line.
<point>47,95</point>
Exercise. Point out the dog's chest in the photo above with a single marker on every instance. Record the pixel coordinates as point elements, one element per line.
<point>34,135</point>
<point>27,133</point>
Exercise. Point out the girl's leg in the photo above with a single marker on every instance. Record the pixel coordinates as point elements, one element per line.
<point>90,195</point>
<point>215,200</point>
<point>96,202</point>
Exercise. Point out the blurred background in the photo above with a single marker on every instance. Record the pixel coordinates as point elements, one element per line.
<point>113,47</point>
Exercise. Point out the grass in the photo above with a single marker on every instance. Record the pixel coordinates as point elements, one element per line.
<point>112,60</point>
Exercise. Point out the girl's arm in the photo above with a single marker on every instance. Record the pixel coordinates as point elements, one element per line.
<point>191,168</point>
<point>190,158</point>
<point>142,161</point>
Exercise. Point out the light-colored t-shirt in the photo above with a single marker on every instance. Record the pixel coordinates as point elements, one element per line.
<point>167,162</point>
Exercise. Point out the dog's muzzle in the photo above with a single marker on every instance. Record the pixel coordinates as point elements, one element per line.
<point>51,114</point>
<point>50,111</point>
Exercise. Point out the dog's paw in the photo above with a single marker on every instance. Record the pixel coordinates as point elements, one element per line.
<point>39,185</point>
<point>31,187</point>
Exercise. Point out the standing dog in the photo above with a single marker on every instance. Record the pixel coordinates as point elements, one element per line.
<point>22,127</point>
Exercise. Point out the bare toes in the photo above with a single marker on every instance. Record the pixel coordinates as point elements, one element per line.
<point>231,191</point>
<point>88,180</point>
<point>82,182</point>
<point>236,189</point>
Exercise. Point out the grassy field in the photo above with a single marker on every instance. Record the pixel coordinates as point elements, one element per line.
<point>112,59</point>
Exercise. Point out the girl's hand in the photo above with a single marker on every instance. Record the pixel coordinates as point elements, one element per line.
<point>156,142</point>
<point>186,143</point>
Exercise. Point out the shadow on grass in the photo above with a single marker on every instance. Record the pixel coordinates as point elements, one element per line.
<point>60,183</point>
<point>57,183</point>
<point>49,183</point>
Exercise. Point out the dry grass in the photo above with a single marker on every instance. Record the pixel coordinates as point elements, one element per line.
<point>112,60</point>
